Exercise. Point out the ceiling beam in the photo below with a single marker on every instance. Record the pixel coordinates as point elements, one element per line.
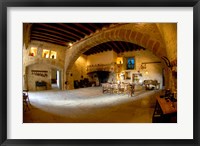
<point>48,40</point>
<point>122,44</point>
<point>50,35</point>
<point>93,25</point>
<point>116,47</point>
<point>103,47</point>
<point>51,31</point>
<point>72,35</point>
<point>69,27</point>
<point>85,28</point>
<point>46,37</point>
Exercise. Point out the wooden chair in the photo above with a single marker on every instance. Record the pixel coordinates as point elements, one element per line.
<point>125,88</point>
<point>107,88</point>
<point>104,87</point>
<point>115,88</point>
<point>26,101</point>
<point>122,88</point>
<point>130,89</point>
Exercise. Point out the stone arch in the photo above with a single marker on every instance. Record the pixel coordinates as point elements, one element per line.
<point>146,35</point>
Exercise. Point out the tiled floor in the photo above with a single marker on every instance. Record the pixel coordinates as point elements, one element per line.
<point>90,105</point>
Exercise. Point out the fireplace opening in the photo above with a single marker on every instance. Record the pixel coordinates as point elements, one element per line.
<point>99,77</point>
<point>103,76</point>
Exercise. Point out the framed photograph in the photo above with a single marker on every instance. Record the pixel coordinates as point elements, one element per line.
<point>68,69</point>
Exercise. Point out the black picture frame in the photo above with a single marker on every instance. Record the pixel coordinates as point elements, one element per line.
<point>4,4</point>
<point>129,65</point>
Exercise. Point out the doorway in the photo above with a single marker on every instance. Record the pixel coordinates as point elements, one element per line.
<point>56,79</point>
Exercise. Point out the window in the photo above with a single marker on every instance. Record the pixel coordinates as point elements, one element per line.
<point>33,51</point>
<point>45,53</point>
<point>131,63</point>
<point>53,55</point>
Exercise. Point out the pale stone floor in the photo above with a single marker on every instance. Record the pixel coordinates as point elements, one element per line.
<point>90,105</point>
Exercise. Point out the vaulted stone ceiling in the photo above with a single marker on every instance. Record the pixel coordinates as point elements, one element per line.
<point>65,33</point>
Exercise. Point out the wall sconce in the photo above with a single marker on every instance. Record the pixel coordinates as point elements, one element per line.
<point>143,66</point>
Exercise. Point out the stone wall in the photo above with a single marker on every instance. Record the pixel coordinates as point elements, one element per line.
<point>47,63</point>
<point>53,74</point>
<point>32,77</point>
<point>78,71</point>
<point>169,34</point>
<point>29,60</point>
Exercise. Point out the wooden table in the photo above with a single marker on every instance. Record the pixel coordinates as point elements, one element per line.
<point>165,111</point>
<point>167,106</point>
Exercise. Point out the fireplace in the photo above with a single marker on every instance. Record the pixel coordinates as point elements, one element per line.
<point>103,76</point>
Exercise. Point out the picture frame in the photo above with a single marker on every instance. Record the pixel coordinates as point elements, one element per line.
<point>97,3</point>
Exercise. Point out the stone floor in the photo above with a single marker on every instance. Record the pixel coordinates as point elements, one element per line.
<point>90,105</point>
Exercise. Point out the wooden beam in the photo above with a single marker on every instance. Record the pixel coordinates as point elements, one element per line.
<point>116,46</point>
<point>50,35</point>
<point>69,27</point>
<point>99,48</point>
<point>46,37</point>
<point>83,27</point>
<point>114,49</point>
<point>72,35</point>
<point>122,44</point>
<point>48,40</point>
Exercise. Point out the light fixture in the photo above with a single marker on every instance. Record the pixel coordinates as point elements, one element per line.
<point>143,66</point>
<point>70,44</point>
